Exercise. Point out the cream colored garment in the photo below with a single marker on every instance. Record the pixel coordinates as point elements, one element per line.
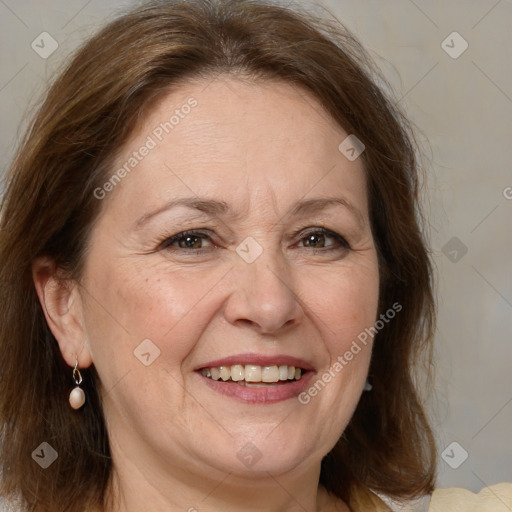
<point>496,498</point>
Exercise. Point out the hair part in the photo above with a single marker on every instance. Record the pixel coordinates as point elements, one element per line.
<point>49,209</point>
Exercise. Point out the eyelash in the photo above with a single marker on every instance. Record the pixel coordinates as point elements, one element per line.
<point>342,242</point>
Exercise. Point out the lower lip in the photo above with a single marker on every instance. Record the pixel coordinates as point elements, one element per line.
<point>261,395</point>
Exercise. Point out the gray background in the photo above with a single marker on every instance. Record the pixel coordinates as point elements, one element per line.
<point>463,108</point>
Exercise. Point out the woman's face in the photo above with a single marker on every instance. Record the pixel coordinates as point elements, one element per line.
<point>277,269</point>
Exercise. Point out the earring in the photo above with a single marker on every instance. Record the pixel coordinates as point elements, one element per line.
<point>77,395</point>
<point>367,386</point>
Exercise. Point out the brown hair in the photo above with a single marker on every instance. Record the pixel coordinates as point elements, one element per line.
<point>49,208</point>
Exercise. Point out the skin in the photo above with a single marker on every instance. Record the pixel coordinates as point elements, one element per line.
<point>260,147</point>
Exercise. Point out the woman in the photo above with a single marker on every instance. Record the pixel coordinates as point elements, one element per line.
<point>215,286</point>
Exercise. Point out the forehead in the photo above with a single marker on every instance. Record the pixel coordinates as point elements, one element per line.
<point>268,141</point>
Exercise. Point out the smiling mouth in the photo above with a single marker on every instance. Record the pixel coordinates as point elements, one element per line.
<point>252,375</point>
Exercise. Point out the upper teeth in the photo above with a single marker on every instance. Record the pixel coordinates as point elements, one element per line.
<point>253,373</point>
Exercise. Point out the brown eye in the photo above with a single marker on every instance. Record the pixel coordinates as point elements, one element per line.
<point>190,242</point>
<point>315,240</point>
<point>323,239</point>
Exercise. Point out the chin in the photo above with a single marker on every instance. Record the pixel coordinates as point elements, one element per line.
<point>254,463</point>
<point>265,452</point>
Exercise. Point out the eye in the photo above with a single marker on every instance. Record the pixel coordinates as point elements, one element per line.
<point>192,240</point>
<point>321,238</point>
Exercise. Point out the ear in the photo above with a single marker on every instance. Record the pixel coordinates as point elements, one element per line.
<point>63,309</point>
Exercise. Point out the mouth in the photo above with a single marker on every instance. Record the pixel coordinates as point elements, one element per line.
<point>257,379</point>
<point>253,375</point>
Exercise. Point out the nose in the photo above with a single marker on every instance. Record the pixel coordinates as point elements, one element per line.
<point>263,295</point>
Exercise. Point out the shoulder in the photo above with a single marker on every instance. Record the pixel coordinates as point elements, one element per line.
<point>497,498</point>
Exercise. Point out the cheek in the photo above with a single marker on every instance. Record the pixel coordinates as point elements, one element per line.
<point>129,304</point>
<point>345,301</point>
<point>344,308</point>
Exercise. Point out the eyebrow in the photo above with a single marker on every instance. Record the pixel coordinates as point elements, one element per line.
<point>214,208</point>
<point>210,207</point>
<point>310,206</point>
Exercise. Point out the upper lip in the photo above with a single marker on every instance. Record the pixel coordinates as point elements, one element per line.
<point>258,359</point>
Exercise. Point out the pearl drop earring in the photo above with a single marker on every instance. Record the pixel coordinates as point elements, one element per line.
<point>77,395</point>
